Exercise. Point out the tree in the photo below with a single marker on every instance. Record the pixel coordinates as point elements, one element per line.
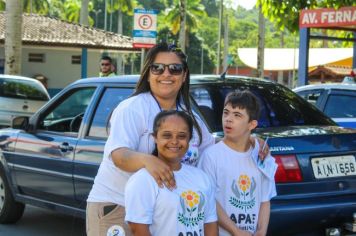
<point>285,14</point>
<point>194,13</point>
<point>36,6</point>
<point>84,14</point>
<point>13,37</point>
<point>122,6</point>
<point>73,8</point>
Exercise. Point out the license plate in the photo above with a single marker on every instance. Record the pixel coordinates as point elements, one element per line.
<point>327,167</point>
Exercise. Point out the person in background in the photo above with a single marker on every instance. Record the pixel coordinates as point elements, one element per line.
<point>189,209</point>
<point>106,67</point>
<point>244,184</point>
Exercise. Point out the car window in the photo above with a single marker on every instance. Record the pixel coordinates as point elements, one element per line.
<point>68,114</point>
<point>279,106</point>
<point>110,99</point>
<point>22,89</point>
<point>312,96</point>
<point>341,106</point>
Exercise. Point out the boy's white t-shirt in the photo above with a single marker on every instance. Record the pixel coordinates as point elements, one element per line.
<point>240,186</point>
<point>182,211</point>
<point>131,127</point>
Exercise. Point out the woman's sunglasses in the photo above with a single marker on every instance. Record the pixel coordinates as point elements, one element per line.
<point>174,69</point>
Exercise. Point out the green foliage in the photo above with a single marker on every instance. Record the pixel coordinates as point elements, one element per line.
<point>285,14</point>
<point>195,10</point>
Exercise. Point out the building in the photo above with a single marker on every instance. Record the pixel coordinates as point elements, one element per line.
<point>281,64</point>
<point>52,49</point>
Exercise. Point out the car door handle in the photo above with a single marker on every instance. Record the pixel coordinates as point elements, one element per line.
<point>65,147</point>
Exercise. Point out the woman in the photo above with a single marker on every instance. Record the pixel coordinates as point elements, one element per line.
<point>163,85</point>
<point>190,209</point>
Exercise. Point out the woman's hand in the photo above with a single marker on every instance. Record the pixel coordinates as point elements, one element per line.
<point>263,152</point>
<point>160,172</point>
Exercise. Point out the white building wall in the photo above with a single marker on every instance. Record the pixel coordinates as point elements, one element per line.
<point>58,67</point>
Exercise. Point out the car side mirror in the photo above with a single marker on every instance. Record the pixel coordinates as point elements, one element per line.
<point>20,122</point>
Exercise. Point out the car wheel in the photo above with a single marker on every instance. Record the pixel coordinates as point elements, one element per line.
<point>10,210</point>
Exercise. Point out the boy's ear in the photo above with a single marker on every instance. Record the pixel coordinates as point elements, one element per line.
<point>253,124</point>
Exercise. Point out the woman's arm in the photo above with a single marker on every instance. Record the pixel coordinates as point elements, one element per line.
<point>139,229</point>
<point>211,229</point>
<point>131,161</point>
<point>263,219</point>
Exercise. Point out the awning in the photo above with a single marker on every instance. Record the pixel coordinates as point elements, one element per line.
<point>278,59</point>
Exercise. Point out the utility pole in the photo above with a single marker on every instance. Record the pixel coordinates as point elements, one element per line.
<point>105,15</point>
<point>96,12</point>
<point>261,44</point>
<point>226,43</point>
<point>219,37</point>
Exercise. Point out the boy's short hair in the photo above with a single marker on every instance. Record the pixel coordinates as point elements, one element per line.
<point>106,58</point>
<point>244,100</point>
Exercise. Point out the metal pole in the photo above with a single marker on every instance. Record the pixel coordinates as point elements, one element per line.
<point>354,53</point>
<point>105,15</point>
<point>142,58</point>
<point>261,45</point>
<point>303,64</point>
<point>202,60</point>
<point>219,37</point>
<point>111,15</point>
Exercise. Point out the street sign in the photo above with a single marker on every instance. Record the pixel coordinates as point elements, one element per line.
<point>145,28</point>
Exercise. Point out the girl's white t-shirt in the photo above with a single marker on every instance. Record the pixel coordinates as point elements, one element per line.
<point>182,211</point>
<point>131,127</point>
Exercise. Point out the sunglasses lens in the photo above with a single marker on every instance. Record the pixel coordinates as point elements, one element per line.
<point>157,69</point>
<point>175,69</point>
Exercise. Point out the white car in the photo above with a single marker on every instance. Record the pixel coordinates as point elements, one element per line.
<point>337,101</point>
<point>20,96</point>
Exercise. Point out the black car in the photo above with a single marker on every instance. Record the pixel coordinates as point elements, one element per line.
<point>51,160</point>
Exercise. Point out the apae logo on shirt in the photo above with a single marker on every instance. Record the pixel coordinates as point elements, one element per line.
<point>244,198</point>
<point>243,189</point>
<point>192,213</point>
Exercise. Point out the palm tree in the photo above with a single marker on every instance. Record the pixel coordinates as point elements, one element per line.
<point>36,6</point>
<point>194,11</point>
<point>13,37</point>
<point>73,8</point>
<point>122,6</point>
<point>84,12</point>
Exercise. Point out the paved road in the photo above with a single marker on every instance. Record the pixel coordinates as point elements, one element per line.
<point>40,222</point>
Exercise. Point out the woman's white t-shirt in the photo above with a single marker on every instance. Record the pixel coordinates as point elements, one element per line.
<point>131,127</point>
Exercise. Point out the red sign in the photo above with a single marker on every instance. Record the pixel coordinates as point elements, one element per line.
<point>328,17</point>
<point>142,45</point>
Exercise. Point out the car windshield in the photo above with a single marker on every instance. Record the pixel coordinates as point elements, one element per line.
<point>335,110</point>
<point>279,106</point>
<point>22,89</point>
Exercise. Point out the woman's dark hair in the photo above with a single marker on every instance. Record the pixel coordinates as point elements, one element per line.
<point>162,116</point>
<point>143,85</point>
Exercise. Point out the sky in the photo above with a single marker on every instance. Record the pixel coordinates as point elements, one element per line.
<point>248,4</point>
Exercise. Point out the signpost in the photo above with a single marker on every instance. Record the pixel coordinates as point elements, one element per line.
<point>145,30</point>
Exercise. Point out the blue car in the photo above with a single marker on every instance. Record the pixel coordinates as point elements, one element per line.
<point>337,101</point>
<point>51,159</point>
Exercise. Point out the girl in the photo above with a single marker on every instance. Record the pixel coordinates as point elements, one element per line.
<point>190,208</point>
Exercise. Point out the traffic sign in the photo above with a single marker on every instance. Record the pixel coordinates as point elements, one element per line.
<point>145,28</point>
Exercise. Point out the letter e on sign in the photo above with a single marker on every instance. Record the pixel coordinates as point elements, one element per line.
<point>145,22</point>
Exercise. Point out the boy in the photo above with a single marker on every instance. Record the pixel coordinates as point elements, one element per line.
<point>243,184</point>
